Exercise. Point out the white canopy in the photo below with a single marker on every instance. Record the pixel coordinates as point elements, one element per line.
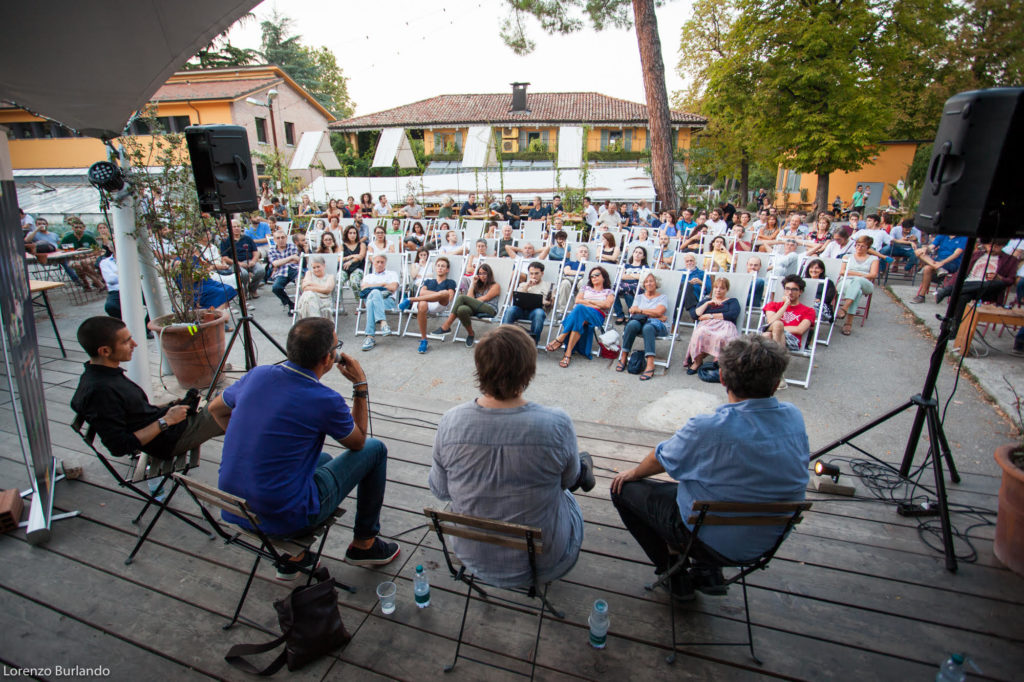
<point>314,147</point>
<point>479,151</point>
<point>626,184</point>
<point>394,142</point>
<point>91,65</point>
<point>570,146</point>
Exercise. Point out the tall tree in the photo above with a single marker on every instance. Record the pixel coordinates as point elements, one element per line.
<point>315,69</point>
<point>220,53</point>
<point>563,16</point>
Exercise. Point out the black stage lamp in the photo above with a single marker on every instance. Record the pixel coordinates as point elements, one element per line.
<point>106,176</point>
<point>831,470</point>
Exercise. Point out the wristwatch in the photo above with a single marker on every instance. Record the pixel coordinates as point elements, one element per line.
<point>163,424</point>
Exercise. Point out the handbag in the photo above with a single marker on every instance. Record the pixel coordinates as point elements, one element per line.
<point>637,362</point>
<point>708,371</point>
<point>311,627</point>
<point>638,317</point>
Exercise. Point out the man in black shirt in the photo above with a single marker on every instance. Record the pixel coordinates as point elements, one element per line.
<point>118,408</point>
<point>510,212</point>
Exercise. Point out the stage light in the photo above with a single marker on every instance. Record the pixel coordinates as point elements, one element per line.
<point>106,176</point>
<point>830,470</point>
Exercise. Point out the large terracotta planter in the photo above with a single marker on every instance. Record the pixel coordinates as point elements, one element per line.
<point>193,354</point>
<point>1009,543</point>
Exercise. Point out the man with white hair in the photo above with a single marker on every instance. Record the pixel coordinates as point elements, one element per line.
<point>379,288</point>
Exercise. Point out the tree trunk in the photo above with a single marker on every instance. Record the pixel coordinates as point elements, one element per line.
<point>821,193</point>
<point>659,121</point>
<point>744,183</point>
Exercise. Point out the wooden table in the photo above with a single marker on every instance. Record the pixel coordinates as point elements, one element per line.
<point>985,313</point>
<point>38,289</point>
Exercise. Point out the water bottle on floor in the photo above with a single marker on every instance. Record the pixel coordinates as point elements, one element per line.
<point>421,588</point>
<point>952,670</point>
<point>599,624</point>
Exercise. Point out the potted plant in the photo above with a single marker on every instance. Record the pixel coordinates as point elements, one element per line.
<point>164,192</point>
<point>1009,542</point>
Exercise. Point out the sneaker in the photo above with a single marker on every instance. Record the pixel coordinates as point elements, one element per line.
<point>156,489</point>
<point>369,343</point>
<point>423,347</point>
<point>681,587</point>
<point>290,568</point>
<point>917,299</point>
<point>708,579</point>
<point>586,479</point>
<point>380,553</point>
<point>942,272</point>
<point>385,330</point>
<point>469,341</point>
<point>405,305</point>
<point>441,331</point>
<point>782,385</point>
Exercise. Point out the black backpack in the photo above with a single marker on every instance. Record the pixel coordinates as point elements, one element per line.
<point>637,362</point>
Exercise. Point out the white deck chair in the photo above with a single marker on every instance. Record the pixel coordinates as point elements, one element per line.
<point>458,265</point>
<point>317,224</point>
<point>652,251</point>
<point>740,289</point>
<point>503,269</point>
<point>532,229</point>
<point>551,275</point>
<point>313,239</point>
<point>445,224</point>
<point>395,263</point>
<point>669,281</point>
<point>474,229</point>
<point>332,262</point>
<point>345,222</point>
<point>812,337</point>
<point>562,307</point>
<point>832,268</point>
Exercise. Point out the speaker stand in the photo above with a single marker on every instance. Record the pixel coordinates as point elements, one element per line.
<point>242,324</point>
<point>927,414</point>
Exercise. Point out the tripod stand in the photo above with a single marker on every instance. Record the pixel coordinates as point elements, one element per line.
<point>242,325</point>
<point>927,414</point>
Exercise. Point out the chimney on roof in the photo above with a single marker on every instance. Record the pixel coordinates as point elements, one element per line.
<point>519,99</point>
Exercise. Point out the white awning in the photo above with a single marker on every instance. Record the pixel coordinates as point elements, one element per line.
<point>570,146</point>
<point>394,142</point>
<point>479,151</point>
<point>314,148</point>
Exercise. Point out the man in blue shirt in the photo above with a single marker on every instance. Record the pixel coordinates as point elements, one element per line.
<point>274,460</point>
<point>259,231</point>
<point>250,268</point>
<point>940,258</point>
<point>752,449</point>
<point>432,298</point>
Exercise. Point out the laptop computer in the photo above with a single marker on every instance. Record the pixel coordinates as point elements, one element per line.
<point>525,301</point>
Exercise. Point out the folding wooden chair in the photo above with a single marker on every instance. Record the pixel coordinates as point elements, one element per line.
<point>140,468</point>
<point>782,515</point>
<point>255,540</point>
<point>502,534</point>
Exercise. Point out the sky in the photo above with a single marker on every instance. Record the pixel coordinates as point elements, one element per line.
<point>395,52</point>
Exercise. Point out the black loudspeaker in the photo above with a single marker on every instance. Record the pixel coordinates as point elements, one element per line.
<point>222,166</point>
<point>974,181</point>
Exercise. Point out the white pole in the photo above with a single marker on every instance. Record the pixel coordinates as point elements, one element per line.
<point>129,275</point>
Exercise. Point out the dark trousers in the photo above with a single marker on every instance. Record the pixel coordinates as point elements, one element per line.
<point>973,291</point>
<point>280,283</point>
<point>651,515</point>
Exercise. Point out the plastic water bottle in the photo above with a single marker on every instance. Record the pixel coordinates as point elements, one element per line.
<point>952,670</point>
<point>599,624</point>
<point>421,588</point>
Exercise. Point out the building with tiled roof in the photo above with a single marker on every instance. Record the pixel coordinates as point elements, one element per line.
<point>615,125</point>
<point>187,98</point>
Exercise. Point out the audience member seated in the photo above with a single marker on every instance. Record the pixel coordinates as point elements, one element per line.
<point>860,269</point>
<point>527,251</point>
<point>333,211</point>
<point>504,458</point>
<point>411,209</point>
<point>826,290</point>
<point>716,224</point>
<point>787,262</point>
<point>316,299</point>
<point>716,317</point>
<point>757,284</point>
<point>250,269</point>
<point>40,237</point>
<point>207,292</point>
<point>692,242</point>
<point>366,205</point>
<point>510,211</point>
<point>451,246</point>
<point>379,244</point>
<point>432,297</point>
<point>284,261</point>
<point>665,253</point>
<point>537,316</point>
<point>905,240</point>
<point>694,281</point>
<point>274,458</point>
<point>557,250</point>
<point>717,258</point>
<point>470,209</point>
<point>989,273</point>
<point>307,207</point>
<point>537,210</point>
<point>786,321</point>
<point>686,223</point>
<point>481,300</point>
<point>768,233</point>
<point>279,210</point>
<point>378,290</point>
<point>593,303</point>
<point>648,313</point>
<point>78,238</point>
<point>609,218</point>
<point>506,242</point>
<point>609,249</point>
<point>629,281</point>
<point>259,231</point>
<point>737,232</point>
<point>841,244</point>
<point>417,271</point>
<point>752,449</point>
<point>572,271</point>
<point>382,209</point>
<point>363,227</point>
<point>474,258</point>
<point>941,258</point>
<point>416,238</point>
<point>118,408</point>
<point>820,237</point>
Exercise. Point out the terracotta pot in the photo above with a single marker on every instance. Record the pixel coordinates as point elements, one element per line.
<point>193,354</point>
<point>1009,542</point>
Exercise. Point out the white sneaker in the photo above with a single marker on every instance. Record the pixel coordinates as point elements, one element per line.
<point>385,330</point>
<point>369,343</point>
<point>782,385</point>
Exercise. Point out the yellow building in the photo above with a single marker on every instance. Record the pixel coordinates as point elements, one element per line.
<point>885,169</point>
<point>187,98</point>
<point>616,127</point>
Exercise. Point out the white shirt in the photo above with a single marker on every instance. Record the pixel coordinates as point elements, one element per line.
<point>590,215</point>
<point>108,270</point>
<point>379,279</point>
<point>612,220</point>
<point>834,250</point>
<point>28,222</point>
<point>879,237</point>
<point>717,227</point>
<point>382,209</point>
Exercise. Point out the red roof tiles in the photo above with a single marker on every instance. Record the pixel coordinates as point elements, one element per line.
<point>545,107</point>
<point>177,91</point>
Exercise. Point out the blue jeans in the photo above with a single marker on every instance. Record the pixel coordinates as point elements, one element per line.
<point>897,251</point>
<point>376,304</point>
<point>617,308</point>
<point>365,470</point>
<point>536,317</point>
<point>650,331</point>
<point>280,282</point>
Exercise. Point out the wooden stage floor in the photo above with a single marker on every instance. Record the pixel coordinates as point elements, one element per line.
<point>853,594</point>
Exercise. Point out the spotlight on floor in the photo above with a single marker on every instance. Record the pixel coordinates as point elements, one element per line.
<point>826,480</point>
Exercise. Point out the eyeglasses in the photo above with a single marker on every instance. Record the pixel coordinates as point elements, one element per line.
<point>791,288</point>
